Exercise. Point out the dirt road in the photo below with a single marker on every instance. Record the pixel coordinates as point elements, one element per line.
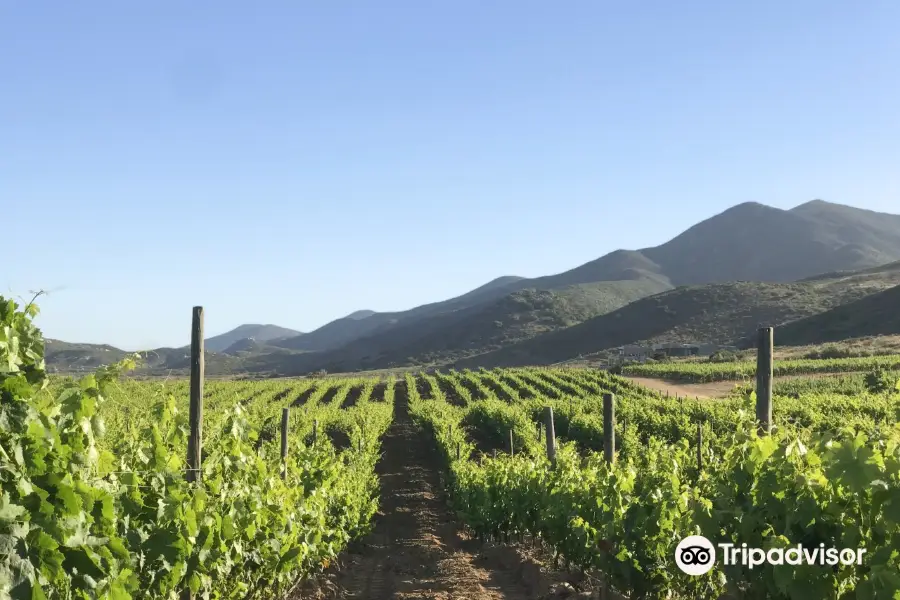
<point>713,389</point>
<point>416,550</point>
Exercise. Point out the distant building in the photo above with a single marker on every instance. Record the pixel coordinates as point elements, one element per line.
<point>635,353</point>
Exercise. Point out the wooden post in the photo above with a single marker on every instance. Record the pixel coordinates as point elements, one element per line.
<point>195,412</point>
<point>285,415</point>
<point>195,416</point>
<point>699,448</point>
<point>458,450</point>
<point>315,431</point>
<point>764,371</point>
<point>495,453</point>
<point>512,449</point>
<point>609,428</point>
<point>551,434</point>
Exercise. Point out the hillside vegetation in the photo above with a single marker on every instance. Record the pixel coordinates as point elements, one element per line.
<point>447,337</point>
<point>95,502</point>
<point>718,313</point>
<point>259,333</point>
<point>878,314</point>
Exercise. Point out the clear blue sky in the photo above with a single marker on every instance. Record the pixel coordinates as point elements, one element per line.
<point>290,162</point>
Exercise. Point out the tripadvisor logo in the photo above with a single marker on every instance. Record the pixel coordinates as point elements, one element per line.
<point>696,555</point>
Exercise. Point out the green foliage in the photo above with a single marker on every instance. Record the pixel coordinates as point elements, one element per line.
<point>80,518</point>
<point>722,356</point>
<point>708,371</point>
<point>881,381</point>
<point>829,351</point>
<point>829,474</point>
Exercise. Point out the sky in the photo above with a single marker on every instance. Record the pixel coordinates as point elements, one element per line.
<point>291,162</point>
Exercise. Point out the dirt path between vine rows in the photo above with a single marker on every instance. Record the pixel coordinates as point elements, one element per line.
<point>712,389</point>
<point>416,550</point>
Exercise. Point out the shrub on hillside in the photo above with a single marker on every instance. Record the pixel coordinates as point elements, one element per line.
<point>833,351</point>
<point>723,356</point>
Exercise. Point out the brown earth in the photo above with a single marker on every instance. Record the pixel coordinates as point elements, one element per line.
<point>416,549</point>
<point>712,389</point>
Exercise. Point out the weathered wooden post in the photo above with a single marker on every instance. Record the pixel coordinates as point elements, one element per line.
<point>512,449</point>
<point>195,412</point>
<point>551,434</point>
<point>764,371</point>
<point>458,450</point>
<point>195,415</point>
<point>495,453</point>
<point>609,428</point>
<point>285,416</point>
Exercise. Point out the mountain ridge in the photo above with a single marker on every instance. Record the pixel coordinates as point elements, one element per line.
<point>771,244</point>
<point>746,242</point>
<point>258,332</point>
<point>720,313</point>
<point>749,242</point>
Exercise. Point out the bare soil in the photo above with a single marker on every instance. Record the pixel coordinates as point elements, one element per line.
<point>712,389</point>
<point>416,549</point>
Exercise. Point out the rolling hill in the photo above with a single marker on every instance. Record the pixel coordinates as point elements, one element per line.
<point>362,323</point>
<point>67,356</point>
<point>722,313</point>
<point>449,336</point>
<point>259,333</point>
<point>872,315</point>
<point>748,242</point>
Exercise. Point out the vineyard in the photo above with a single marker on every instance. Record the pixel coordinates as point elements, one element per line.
<point>702,372</point>
<point>98,500</point>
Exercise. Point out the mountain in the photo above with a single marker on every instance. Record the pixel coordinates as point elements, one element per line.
<point>753,242</point>
<point>72,356</point>
<point>259,333</point>
<point>343,331</point>
<point>244,345</point>
<point>869,316</point>
<point>67,356</point>
<point>490,325</point>
<point>721,313</point>
<point>360,314</point>
<point>748,242</point>
<point>655,291</point>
